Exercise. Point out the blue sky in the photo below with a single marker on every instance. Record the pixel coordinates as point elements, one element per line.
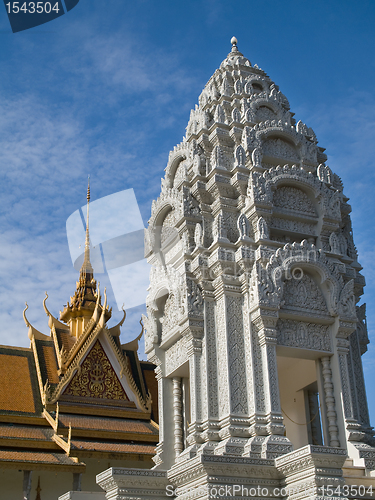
<point>106,90</point>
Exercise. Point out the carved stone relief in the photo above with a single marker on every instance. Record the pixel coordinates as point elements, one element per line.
<point>280,149</point>
<point>291,198</point>
<point>236,360</point>
<point>304,295</point>
<point>303,335</point>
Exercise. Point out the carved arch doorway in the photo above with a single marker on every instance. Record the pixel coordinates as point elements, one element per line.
<point>300,399</point>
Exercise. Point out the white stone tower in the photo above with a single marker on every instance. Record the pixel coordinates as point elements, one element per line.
<point>251,314</point>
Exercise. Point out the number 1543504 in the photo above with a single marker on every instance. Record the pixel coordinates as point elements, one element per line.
<point>32,7</point>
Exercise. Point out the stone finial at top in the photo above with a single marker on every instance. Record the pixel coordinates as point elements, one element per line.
<point>235,56</point>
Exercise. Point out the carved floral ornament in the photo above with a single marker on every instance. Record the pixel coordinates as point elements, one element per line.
<point>267,284</point>
<point>181,152</point>
<point>184,298</point>
<point>255,136</point>
<point>261,187</point>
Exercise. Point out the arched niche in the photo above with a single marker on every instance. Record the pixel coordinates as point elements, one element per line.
<point>164,233</point>
<point>292,196</point>
<point>180,173</point>
<point>254,86</point>
<point>295,212</point>
<point>304,282</point>
<point>305,334</point>
<point>264,113</point>
<point>175,159</point>
<point>303,294</point>
<point>280,147</point>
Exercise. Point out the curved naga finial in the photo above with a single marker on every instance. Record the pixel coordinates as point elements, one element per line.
<point>102,316</point>
<point>133,345</point>
<point>143,329</point>
<point>44,305</point>
<point>116,330</point>
<point>95,314</point>
<point>33,332</point>
<point>24,316</point>
<point>52,321</point>
<point>124,317</point>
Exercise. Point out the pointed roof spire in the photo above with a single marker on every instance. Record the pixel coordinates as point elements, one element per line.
<point>38,490</point>
<point>86,296</point>
<point>86,266</point>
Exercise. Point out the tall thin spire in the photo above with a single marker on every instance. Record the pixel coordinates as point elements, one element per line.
<point>85,298</point>
<point>86,266</point>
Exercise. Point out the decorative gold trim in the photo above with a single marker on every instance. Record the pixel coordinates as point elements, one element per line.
<point>52,321</point>
<point>133,344</point>
<point>38,371</point>
<point>34,465</point>
<point>80,408</point>
<point>61,442</point>
<point>33,332</point>
<point>122,359</point>
<point>75,365</point>
<point>116,330</point>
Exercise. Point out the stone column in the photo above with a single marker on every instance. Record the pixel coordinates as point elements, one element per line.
<point>194,352</point>
<point>330,402</point>
<point>314,427</point>
<point>342,350</point>
<point>222,357</point>
<point>161,392</point>
<point>27,476</point>
<point>267,338</point>
<point>267,425</point>
<point>265,325</point>
<point>233,386</point>
<point>77,478</point>
<point>177,416</point>
<point>359,383</point>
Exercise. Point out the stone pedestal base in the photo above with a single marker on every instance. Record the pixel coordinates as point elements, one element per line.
<point>308,471</point>
<point>297,475</point>
<point>121,484</point>
<point>363,453</point>
<point>83,495</point>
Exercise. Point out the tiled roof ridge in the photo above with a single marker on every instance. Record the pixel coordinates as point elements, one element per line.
<point>73,366</point>
<point>145,404</point>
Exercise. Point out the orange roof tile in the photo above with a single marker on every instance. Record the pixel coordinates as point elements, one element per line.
<point>36,457</point>
<point>25,432</point>
<point>152,386</point>
<point>107,424</point>
<point>113,447</point>
<point>66,339</point>
<point>51,365</point>
<point>16,393</point>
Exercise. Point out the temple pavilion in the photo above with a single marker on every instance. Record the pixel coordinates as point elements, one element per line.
<point>75,402</point>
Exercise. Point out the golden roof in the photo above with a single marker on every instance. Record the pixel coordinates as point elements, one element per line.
<point>77,391</point>
<point>16,381</point>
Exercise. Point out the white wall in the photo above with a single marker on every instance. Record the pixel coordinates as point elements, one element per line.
<point>294,375</point>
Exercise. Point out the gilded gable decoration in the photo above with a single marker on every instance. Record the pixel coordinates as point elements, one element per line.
<point>75,394</point>
<point>96,378</point>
